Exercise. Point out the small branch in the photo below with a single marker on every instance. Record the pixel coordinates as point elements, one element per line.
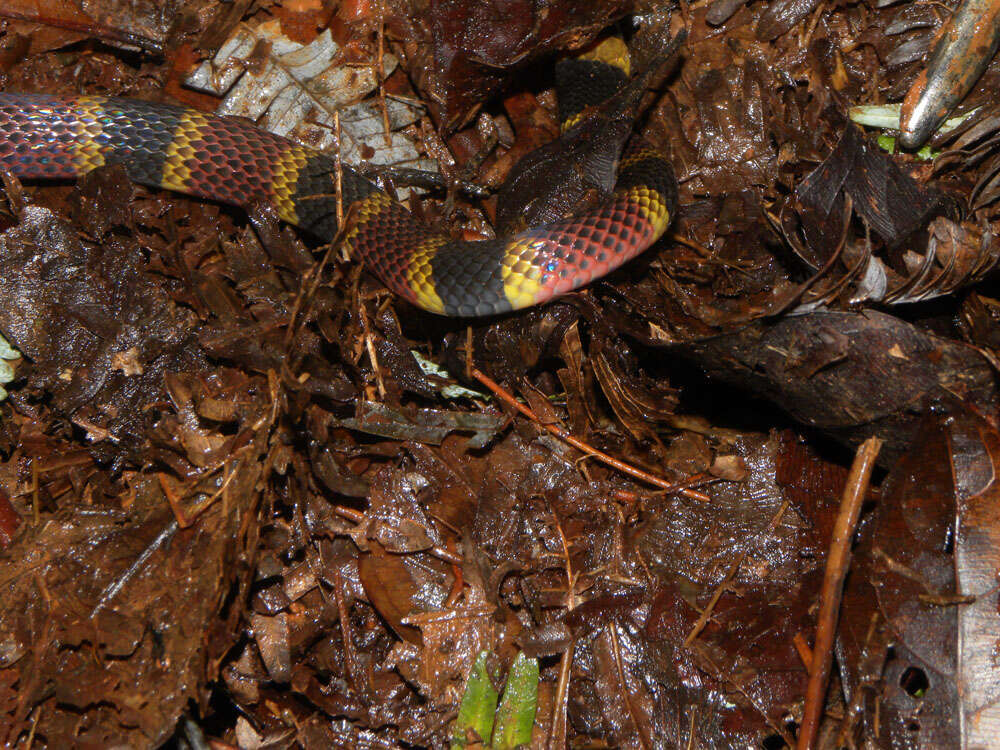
<point>634,715</point>
<point>338,173</point>
<point>564,435</point>
<point>386,137</point>
<point>570,575</point>
<point>370,348</point>
<point>112,590</point>
<point>557,722</point>
<point>358,517</point>
<point>837,562</point>
<point>805,653</point>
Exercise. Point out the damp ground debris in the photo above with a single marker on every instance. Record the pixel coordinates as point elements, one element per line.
<point>741,492</point>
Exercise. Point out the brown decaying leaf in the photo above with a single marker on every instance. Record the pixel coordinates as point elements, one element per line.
<point>9,520</point>
<point>464,52</point>
<point>927,581</point>
<point>52,24</point>
<point>851,374</point>
<point>84,631</point>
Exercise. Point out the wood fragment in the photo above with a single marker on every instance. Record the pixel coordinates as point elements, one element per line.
<point>837,563</point>
<point>563,434</point>
<point>730,575</point>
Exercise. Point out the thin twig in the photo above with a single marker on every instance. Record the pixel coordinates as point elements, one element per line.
<point>381,75</point>
<point>724,585</point>
<point>29,743</point>
<point>338,182</point>
<point>111,591</point>
<point>358,517</point>
<point>837,562</point>
<point>805,653</point>
<point>570,575</point>
<point>696,480</point>
<point>564,435</point>
<point>311,281</point>
<point>557,724</point>
<point>370,348</point>
<point>640,728</point>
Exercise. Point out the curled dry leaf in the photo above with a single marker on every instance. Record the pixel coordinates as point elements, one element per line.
<point>850,374</point>
<point>302,91</point>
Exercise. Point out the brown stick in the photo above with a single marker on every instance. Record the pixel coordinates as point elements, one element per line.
<point>557,724</point>
<point>633,713</point>
<point>837,562</point>
<point>805,653</point>
<point>439,552</point>
<point>564,435</point>
<point>730,575</point>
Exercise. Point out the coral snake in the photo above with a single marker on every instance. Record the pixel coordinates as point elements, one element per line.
<point>230,160</point>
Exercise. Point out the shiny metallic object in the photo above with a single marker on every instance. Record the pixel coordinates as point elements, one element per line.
<point>966,45</point>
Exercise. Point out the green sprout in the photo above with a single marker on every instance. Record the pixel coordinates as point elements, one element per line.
<point>886,117</point>
<point>508,726</point>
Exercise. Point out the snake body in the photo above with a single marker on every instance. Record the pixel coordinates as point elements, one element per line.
<point>230,160</point>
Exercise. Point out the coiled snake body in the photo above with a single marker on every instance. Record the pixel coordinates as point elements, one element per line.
<point>230,160</point>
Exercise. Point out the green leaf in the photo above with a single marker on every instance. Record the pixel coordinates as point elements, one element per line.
<point>479,704</point>
<point>516,715</point>
<point>887,143</point>
<point>886,117</point>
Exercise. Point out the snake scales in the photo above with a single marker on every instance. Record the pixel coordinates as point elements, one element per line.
<point>230,160</point>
